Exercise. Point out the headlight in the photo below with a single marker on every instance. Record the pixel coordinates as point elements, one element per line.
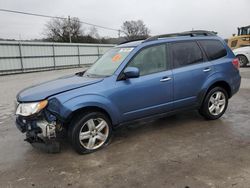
<point>27,109</point>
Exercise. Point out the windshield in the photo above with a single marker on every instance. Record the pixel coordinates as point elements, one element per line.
<point>109,62</point>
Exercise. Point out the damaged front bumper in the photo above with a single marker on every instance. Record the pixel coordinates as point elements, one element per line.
<point>40,133</point>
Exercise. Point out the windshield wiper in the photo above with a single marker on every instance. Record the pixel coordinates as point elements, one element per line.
<point>80,73</point>
<point>95,75</point>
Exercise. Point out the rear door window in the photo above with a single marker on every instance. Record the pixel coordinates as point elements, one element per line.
<point>186,53</point>
<point>213,48</point>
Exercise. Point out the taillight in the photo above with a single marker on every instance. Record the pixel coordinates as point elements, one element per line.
<point>236,63</point>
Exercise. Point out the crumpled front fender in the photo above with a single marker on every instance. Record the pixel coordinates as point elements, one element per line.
<point>64,110</point>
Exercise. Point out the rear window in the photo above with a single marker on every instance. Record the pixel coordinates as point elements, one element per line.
<point>186,53</point>
<point>214,49</point>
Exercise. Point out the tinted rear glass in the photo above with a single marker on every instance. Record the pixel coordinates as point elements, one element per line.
<point>213,48</point>
<point>186,53</point>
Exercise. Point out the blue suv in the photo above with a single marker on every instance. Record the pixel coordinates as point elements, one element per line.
<point>150,78</point>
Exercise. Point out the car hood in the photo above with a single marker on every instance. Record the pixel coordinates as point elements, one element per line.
<point>44,90</point>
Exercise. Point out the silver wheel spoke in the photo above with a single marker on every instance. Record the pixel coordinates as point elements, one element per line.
<point>241,61</point>
<point>91,124</point>
<point>101,126</point>
<point>217,110</point>
<point>217,103</point>
<point>91,142</point>
<point>100,136</point>
<point>212,100</point>
<point>84,135</point>
<point>218,96</point>
<point>222,102</point>
<point>94,133</point>
<point>211,108</point>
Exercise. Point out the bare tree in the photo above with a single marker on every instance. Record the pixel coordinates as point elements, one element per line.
<point>135,30</point>
<point>93,32</point>
<point>61,30</point>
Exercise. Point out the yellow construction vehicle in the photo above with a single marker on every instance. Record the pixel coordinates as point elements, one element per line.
<point>240,40</point>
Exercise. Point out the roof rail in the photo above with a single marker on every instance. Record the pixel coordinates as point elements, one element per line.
<point>186,33</point>
<point>133,40</point>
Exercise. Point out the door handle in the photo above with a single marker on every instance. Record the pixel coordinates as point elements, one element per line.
<point>164,79</point>
<point>206,69</point>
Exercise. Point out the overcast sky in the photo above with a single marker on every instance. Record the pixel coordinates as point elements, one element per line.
<point>161,16</point>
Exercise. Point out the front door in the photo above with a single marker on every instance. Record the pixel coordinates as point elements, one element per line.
<point>152,91</point>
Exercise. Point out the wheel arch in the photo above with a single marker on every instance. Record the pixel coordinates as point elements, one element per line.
<point>224,85</point>
<point>242,54</point>
<point>68,109</point>
<point>88,109</point>
<point>220,83</point>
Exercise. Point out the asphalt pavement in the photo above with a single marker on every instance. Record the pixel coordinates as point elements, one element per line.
<point>183,151</point>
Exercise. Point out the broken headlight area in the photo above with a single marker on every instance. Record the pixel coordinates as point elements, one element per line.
<point>41,130</point>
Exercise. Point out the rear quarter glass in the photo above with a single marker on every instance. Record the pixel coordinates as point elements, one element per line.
<point>214,49</point>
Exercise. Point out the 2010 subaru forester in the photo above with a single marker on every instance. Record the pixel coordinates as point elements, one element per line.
<point>137,80</point>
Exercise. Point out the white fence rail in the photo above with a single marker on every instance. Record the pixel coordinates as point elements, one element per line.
<point>18,57</point>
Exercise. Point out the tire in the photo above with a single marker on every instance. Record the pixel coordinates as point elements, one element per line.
<point>214,104</point>
<point>95,129</point>
<point>243,60</point>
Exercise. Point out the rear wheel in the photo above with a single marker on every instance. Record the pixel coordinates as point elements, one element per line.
<point>215,103</point>
<point>90,132</point>
<point>243,60</point>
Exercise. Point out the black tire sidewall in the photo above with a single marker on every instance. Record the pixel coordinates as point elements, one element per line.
<point>204,111</point>
<point>244,58</point>
<point>76,126</point>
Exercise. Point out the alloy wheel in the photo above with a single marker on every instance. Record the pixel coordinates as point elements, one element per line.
<point>242,60</point>
<point>217,103</point>
<point>94,133</point>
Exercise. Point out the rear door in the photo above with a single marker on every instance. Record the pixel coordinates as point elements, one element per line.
<point>191,69</point>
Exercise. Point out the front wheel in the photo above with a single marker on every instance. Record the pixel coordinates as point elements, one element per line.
<point>90,132</point>
<point>215,103</point>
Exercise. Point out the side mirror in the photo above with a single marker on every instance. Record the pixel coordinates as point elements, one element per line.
<point>131,72</point>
